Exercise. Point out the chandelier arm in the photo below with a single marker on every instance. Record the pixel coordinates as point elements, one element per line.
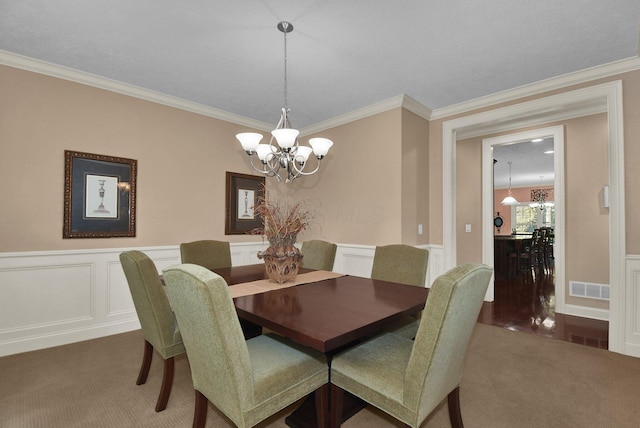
<point>270,172</point>
<point>300,171</point>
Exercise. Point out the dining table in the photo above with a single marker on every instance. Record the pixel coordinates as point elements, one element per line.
<point>329,314</point>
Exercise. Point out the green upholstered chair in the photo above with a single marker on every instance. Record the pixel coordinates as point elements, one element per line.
<point>404,264</point>
<point>214,255</point>
<point>409,378</point>
<point>400,263</point>
<point>248,380</point>
<point>159,326</point>
<point>318,255</point>
<point>208,253</point>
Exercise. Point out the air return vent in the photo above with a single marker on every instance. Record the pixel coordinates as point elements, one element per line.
<point>589,290</point>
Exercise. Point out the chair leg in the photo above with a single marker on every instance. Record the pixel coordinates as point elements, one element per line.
<point>167,383</point>
<point>200,413</point>
<point>146,363</point>
<point>337,398</point>
<point>453,402</point>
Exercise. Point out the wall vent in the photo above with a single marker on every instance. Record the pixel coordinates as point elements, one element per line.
<point>589,290</point>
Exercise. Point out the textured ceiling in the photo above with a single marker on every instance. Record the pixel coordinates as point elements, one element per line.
<point>530,165</point>
<point>342,55</point>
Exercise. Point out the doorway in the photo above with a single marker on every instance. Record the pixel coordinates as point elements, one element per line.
<point>602,98</point>
<point>555,136</point>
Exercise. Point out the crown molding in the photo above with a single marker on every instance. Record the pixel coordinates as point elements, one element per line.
<point>558,82</point>
<point>404,101</point>
<point>399,101</point>
<point>370,110</point>
<point>53,70</point>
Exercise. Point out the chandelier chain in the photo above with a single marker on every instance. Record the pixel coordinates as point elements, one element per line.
<point>286,103</point>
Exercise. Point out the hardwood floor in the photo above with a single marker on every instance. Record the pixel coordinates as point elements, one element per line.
<point>526,303</point>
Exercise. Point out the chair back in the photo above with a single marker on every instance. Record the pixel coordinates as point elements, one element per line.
<point>208,253</point>
<point>159,326</point>
<point>318,255</point>
<point>401,263</point>
<point>437,358</point>
<point>218,354</point>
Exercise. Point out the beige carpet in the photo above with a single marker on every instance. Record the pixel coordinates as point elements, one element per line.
<point>511,380</point>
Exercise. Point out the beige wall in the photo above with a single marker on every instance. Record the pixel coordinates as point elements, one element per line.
<point>181,174</point>
<point>182,159</point>
<point>357,192</point>
<point>469,201</point>
<point>396,183</point>
<point>415,178</point>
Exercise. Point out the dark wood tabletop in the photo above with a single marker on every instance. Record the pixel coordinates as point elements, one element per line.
<point>328,314</point>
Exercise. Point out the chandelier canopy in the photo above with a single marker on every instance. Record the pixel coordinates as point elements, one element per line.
<point>284,150</point>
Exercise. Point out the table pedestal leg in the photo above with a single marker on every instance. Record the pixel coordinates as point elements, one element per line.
<point>305,415</point>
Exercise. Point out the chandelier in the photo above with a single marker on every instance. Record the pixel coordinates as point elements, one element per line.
<point>539,197</point>
<point>284,151</point>
<point>509,200</point>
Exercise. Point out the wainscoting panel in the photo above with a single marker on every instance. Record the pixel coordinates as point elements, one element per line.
<point>632,298</point>
<point>354,260</point>
<point>51,298</point>
<point>119,301</point>
<point>41,295</point>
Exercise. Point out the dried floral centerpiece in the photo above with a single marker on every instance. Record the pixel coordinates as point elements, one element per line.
<point>282,221</point>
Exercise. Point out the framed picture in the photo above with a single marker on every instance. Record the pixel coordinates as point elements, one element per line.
<point>99,196</point>
<point>242,196</point>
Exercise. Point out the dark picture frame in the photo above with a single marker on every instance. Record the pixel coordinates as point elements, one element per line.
<point>99,196</point>
<point>242,193</point>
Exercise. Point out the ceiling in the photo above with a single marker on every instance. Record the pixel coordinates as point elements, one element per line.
<point>530,165</point>
<point>342,55</point>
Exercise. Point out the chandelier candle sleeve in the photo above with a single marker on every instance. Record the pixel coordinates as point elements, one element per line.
<point>249,141</point>
<point>284,151</point>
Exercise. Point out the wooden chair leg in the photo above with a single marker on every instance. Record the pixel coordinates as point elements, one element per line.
<point>146,363</point>
<point>337,398</point>
<point>453,402</point>
<point>322,405</point>
<point>200,413</point>
<point>167,383</point>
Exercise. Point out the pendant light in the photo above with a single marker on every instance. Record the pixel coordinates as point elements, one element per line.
<point>509,200</point>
